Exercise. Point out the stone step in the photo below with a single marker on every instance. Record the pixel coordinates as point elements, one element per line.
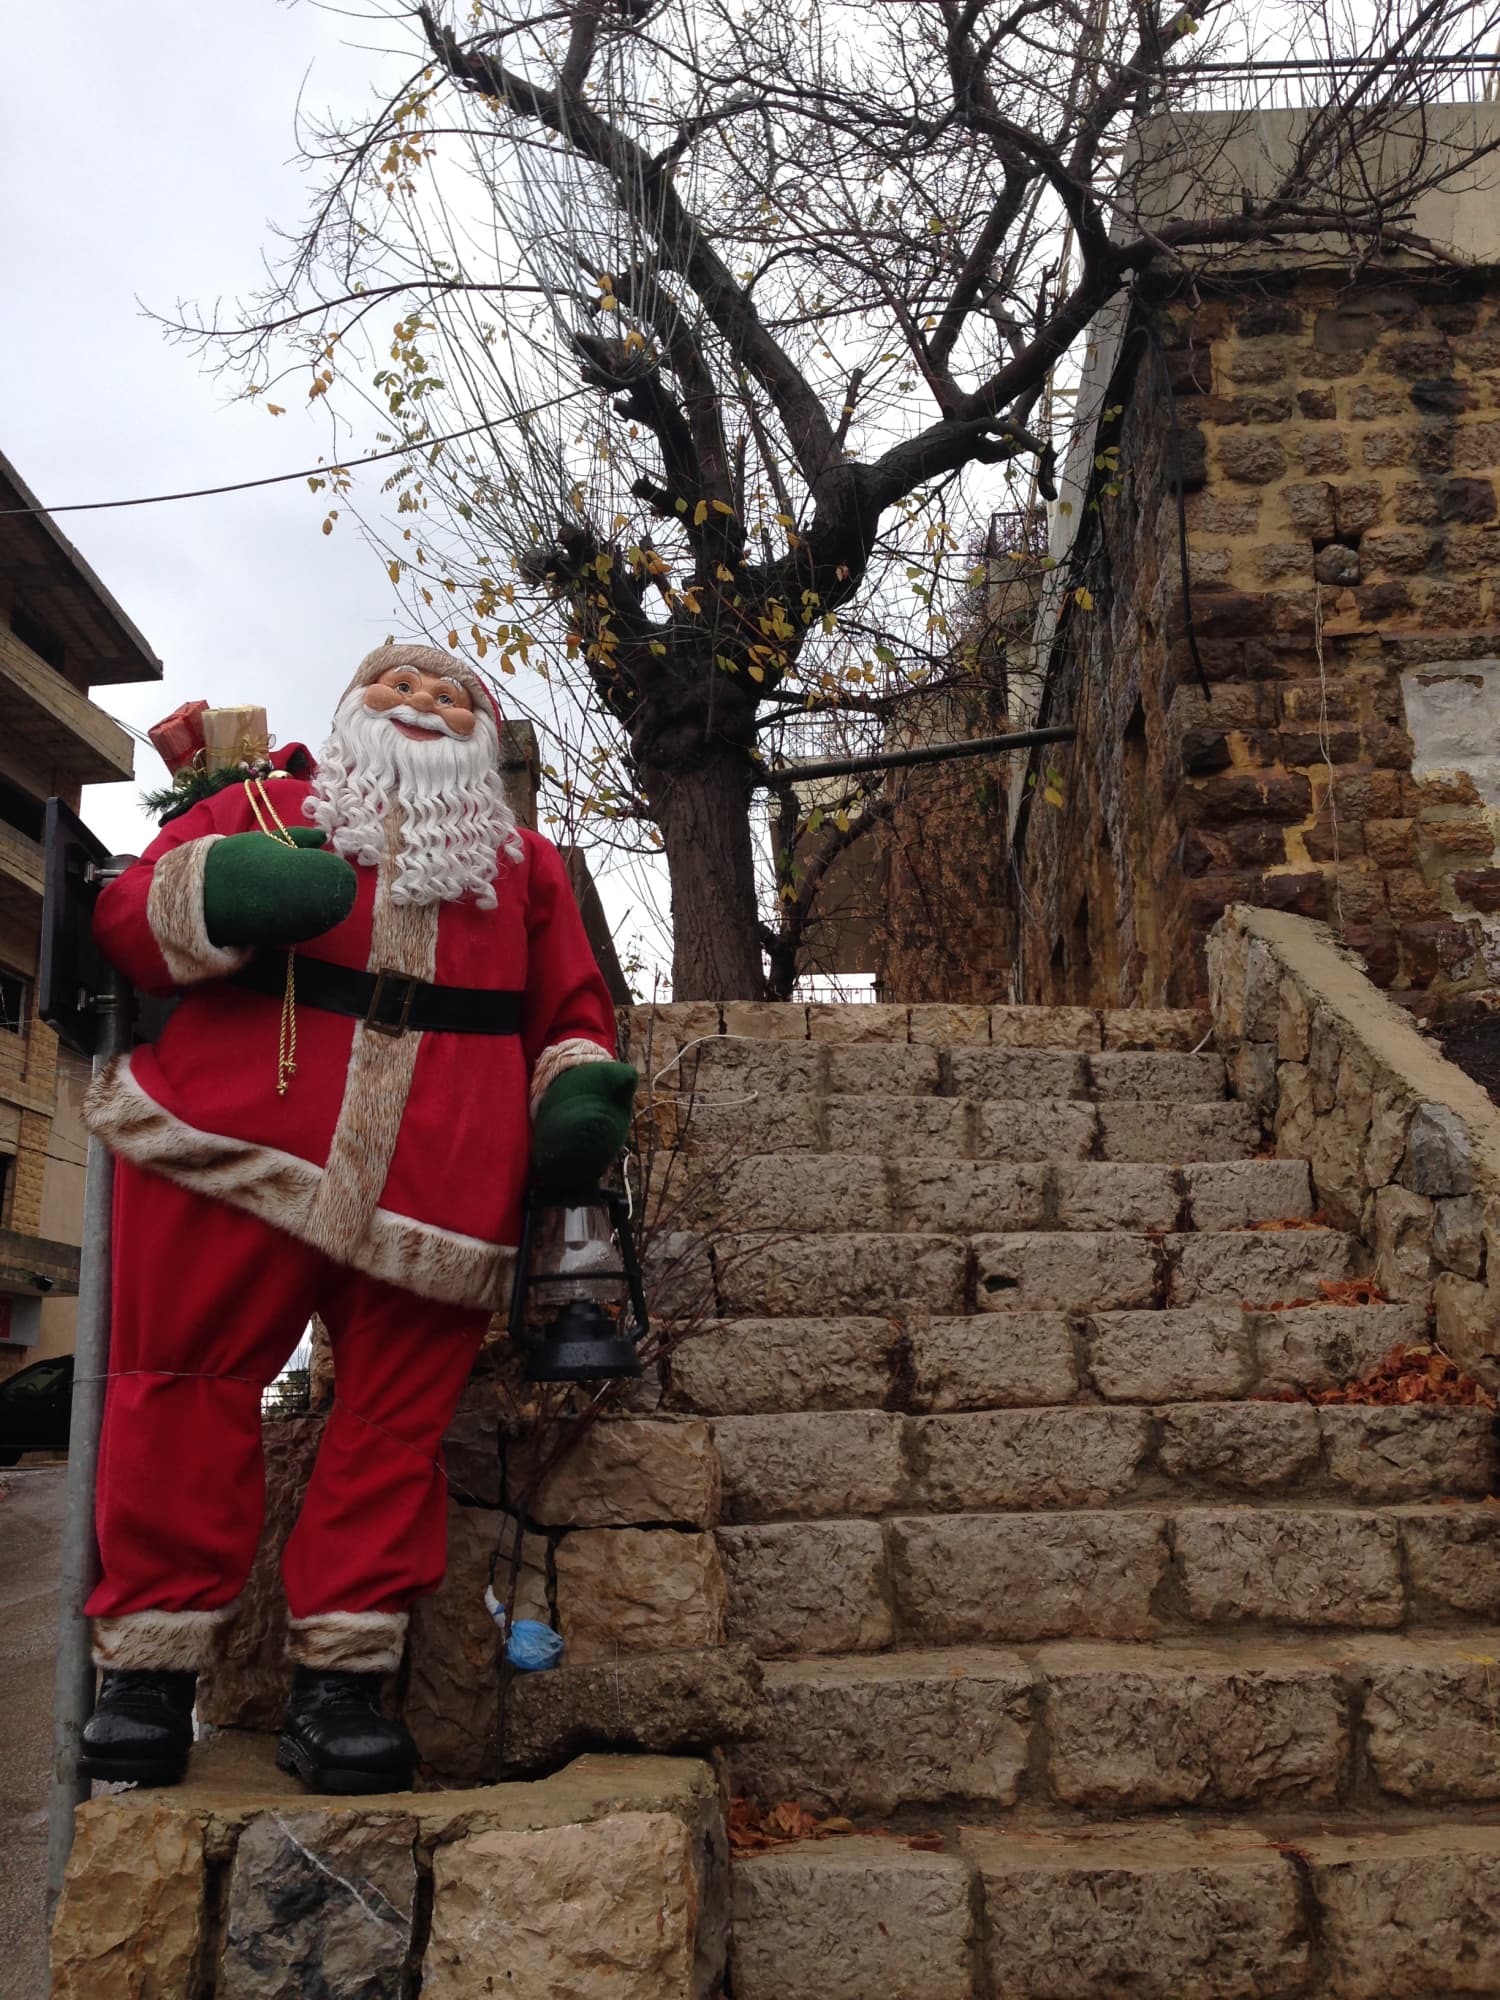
<point>1001,1360</point>
<point>1216,1724</point>
<point>1263,1907</point>
<point>655,1036</point>
<point>950,1128</point>
<point>773,1274</point>
<point>1129,1572</point>
<point>815,1465</point>
<point>843,1191</point>
<point>729,1070</point>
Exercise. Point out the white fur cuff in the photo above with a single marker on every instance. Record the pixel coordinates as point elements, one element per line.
<point>159,1641</point>
<point>557,1060</point>
<point>348,1642</point>
<point>174,910</point>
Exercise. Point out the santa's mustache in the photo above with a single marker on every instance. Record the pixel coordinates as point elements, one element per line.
<point>419,718</point>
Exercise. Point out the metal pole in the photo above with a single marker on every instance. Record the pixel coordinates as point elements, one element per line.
<point>80,1557</point>
<point>928,753</point>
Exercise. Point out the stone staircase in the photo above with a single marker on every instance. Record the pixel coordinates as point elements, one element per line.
<point>1186,1687</point>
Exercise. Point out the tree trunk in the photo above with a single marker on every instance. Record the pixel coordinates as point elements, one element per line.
<point>704,816</point>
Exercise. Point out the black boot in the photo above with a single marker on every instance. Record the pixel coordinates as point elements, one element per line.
<point>141,1729</point>
<point>335,1738</point>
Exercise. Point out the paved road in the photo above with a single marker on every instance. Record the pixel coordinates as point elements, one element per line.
<point>31,1509</point>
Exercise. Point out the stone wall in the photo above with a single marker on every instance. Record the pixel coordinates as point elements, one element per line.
<point>611,1877</point>
<point>1404,1148</point>
<point>1339,446</point>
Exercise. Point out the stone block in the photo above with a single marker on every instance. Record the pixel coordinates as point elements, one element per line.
<point>132,1916</point>
<point>1169,1356</point>
<point>1143,1028</point>
<point>909,1127</point>
<point>1250,459</point>
<point>891,1730</point>
<point>1233,1194</point>
<point>1458,1234</point>
<point>808,1587</point>
<point>1323,1347</point>
<point>838,1274</point>
<point>752,1365</point>
<point>1093,1195</point>
<point>737,1068</point>
<point>889,1068</point>
<point>1429,1715</point>
<point>658,1035</point>
<point>1416,1452</point>
<point>1409,1912</point>
<point>1164,1076</point>
<point>768,1020</point>
<point>1402,1234</point>
<point>992,1361</point>
<point>638,1590</point>
<point>1032,1129</point>
<point>1135,1130</point>
<point>959,1195</point>
<point>1329,1568</point>
<point>1309,508</point>
<point>1044,1028</point>
<point>1017,1072</point>
<point>1439,1152</point>
<point>608,1908</point>
<point>791,1192</point>
<point>1453,1559</point>
<point>1257,1269</point>
<point>962,1579</point>
<point>1240,1447</point>
<point>247,1686</point>
<point>935,1026</point>
<point>1027,1458</point>
<point>1182,1725</point>
<point>620,1472</point>
<point>810,1464</point>
<point>1071,1271</point>
<point>815,1919</point>
<point>320,1902</point>
<point>849,1023</point>
<point>1159,1910</point>
<point>663,1703</point>
<point>778,1122</point>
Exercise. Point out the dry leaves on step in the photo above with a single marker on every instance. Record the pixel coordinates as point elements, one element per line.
<point>1331,1292</point>
<point>1412,1375</point>
<point>753,1829</point>
<point>1318,1220</point>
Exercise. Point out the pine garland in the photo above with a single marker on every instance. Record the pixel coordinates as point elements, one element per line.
<point>193,785</point>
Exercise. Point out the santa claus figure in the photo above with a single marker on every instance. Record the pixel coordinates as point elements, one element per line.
<point>391,1018</point>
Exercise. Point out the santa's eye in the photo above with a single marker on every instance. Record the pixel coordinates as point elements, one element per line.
<point>403,687</point>
<point>446,700</point>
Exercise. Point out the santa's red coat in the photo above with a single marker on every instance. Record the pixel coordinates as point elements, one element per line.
<point>405,1157</point>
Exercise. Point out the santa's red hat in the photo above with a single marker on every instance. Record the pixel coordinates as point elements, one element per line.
<point>424,660</point>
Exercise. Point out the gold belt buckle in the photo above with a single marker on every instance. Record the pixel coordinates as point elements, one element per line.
<point>398,1026</point>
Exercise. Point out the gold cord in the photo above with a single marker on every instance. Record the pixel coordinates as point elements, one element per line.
<point>270,823</point>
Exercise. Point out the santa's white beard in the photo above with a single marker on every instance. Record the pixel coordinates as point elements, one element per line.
<point>455,824</point>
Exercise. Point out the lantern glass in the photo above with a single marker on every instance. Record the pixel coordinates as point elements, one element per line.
<point>578,1307</point>
<point>576,1261</point>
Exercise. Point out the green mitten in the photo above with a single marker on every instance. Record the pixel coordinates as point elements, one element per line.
<point>581,1124</point>
<point>257,890</point>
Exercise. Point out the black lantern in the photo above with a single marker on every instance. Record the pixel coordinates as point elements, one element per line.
<point>578,1308</point>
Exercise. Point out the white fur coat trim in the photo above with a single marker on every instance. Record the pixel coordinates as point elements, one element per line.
<point>159,1641</point>
<point>348,1642</point>
<point>174,910</point>
<point>556,1061</point>
<point>282,1189</point>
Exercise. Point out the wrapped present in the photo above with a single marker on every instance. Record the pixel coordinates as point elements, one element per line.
<point>234,736</point>
<point>178,739</point>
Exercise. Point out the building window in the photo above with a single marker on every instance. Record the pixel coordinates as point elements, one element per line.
<point>15,1002</point>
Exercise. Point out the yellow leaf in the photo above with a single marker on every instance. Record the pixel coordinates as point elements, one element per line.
<point>700,513</point>
<point>723,507</point>
<point>785,520</point>
<point>756,673</point>
<point>394,571</point>
<point>724,575</point>
<point>1052,796</point>
<point>841,821</point>
<point>276,409</point>
<point>1083,597</point>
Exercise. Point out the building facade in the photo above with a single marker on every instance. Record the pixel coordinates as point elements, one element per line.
<point>61,634</point>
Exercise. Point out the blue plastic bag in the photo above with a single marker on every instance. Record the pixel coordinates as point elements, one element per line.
<point>533,1647</point>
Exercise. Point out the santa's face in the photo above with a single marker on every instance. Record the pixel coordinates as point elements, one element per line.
<point>422,706</point>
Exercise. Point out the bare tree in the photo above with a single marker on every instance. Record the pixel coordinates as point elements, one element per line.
<point>745,316</point>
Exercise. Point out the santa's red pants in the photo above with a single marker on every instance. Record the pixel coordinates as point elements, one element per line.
<point>208,1304</point>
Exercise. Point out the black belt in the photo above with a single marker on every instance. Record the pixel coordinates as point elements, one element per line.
<point>389,1002</point>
